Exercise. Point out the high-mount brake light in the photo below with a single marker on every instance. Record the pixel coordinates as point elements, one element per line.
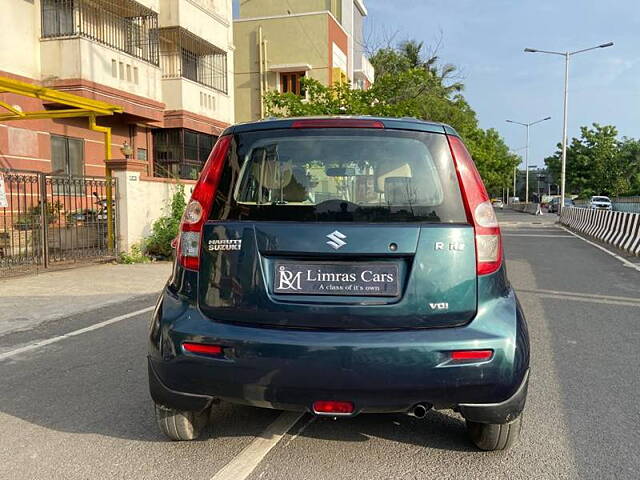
<point>199,206</point>
<point>479,210</point>
<point>337,123</point>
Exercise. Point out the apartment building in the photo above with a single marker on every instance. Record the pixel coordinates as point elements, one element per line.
<point>278,42</point>
<point>167,63</point>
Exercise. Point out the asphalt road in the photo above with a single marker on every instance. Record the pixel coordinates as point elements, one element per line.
<point>78,407</point>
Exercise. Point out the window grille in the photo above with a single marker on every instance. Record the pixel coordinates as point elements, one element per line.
<point>182,54</point>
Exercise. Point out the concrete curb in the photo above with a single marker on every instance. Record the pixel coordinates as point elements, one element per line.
<point>620,229</point>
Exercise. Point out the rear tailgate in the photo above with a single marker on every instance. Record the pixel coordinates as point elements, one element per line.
<point>435,284</point>
<point>339,228</point>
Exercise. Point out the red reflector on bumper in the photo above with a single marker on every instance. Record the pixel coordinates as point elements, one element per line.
<point>202,348</point>
<point>337,408</point>
<point>462,355</point>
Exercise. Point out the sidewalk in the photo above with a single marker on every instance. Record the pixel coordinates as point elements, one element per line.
<point>28,301</point>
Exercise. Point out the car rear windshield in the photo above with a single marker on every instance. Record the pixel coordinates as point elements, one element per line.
<point>339,175</point>
<point>601,199</point>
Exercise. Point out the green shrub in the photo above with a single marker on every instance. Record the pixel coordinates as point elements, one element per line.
<point>165,228</point>
<point>134,256</point>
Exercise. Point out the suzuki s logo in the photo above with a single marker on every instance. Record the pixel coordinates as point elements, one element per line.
<point>287,280</point>
<point>336,240</point>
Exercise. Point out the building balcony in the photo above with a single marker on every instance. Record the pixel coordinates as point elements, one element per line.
<point>124,25</point>
<point>103,43</point>
<point>195,75</point>
<point>207,19</point>
<point>364,75</point>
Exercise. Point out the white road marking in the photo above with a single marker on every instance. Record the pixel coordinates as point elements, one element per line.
<point>626,262</point>
<point>577,294</point>
<point>248,459</point>
<point>49,341</point>
<point>583,297</point>
<point>534,235</point>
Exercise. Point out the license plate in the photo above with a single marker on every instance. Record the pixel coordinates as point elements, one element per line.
<point>376,280</point>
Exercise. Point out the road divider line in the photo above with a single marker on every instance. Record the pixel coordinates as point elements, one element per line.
<point>248,459</point>
<point>577,294</point>
<point>535,235</point>
<point>589,300</point>
<point>626,262</point>
<point>49,341</point>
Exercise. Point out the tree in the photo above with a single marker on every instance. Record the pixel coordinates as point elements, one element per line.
<point>598,163</point>
<point>408,84</point>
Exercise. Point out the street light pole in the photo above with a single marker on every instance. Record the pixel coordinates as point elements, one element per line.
<point>526,155</point>
<point>526,169</point>
<point>566,56</point>
<point>563,169</point>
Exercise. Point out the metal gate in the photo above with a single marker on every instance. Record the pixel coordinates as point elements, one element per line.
<point>48,220</point>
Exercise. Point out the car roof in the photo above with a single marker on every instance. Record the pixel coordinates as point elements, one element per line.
<point>404,123</point>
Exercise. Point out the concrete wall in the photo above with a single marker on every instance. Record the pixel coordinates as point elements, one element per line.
<point>207,19</point>
<point>152,4</point>
<point>87,60</point>
<point>184,94</point>
<point>268,8</point>
<point>140,202</point>
<point>300,39</point>
<point>19,37</point>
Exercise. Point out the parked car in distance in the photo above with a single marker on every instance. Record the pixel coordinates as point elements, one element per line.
<point>600,203</point>
<point>338,266</point>
<point>497,203</point>
<point>555,203</point>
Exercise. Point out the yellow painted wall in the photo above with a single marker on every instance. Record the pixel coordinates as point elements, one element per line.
<point>20,38</point>
<point>291,40</point>
<point>267,8</point>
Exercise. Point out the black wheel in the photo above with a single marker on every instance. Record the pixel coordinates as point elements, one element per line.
<point>494,436</point>
<point>180,425</point>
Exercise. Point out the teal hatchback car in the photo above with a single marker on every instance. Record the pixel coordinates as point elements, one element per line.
<point>339,266</point>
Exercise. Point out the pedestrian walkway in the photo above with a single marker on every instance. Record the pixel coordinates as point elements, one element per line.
<point>28,301</point>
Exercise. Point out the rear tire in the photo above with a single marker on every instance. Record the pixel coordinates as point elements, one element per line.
<point>180,425</point>
<point>494,436</point>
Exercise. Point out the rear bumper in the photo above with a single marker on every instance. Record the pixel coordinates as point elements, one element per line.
<point>501,412</point>
<point>379,372</point>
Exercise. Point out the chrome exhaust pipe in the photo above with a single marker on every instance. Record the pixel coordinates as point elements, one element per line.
<point>419,410</point>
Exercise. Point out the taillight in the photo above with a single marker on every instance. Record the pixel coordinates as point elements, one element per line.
<point>337,123</point>
<point>199,206</point>
<point>480,212</point>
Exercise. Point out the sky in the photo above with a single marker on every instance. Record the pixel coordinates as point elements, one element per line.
<point>485,39</point>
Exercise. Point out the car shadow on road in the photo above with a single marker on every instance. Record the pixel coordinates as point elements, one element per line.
<point>90,396</point>
<point>442,430</point>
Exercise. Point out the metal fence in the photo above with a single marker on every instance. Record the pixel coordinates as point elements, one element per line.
<point>620,204</point>
<point>626,204</point>
<point>49,220</point>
